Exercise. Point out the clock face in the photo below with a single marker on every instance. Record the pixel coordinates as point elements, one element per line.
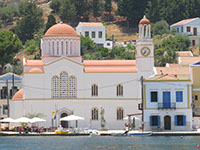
<point>145,51</point>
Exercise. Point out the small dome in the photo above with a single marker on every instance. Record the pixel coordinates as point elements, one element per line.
<point>144,20</point>
<point>61,30</point>
<point>35,70</point>
<point>18,95</point>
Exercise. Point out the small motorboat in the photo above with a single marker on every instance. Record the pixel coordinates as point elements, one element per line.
<point>61,131</point>
<point>133,133</point>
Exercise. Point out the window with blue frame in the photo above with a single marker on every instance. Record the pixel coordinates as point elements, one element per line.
<point>155,121</point>
<point>179,96</point>
<point>180,120</point>
<point>154,96</point>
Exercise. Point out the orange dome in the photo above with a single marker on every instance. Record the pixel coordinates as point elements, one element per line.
<point>35,70</point>
<point>144,20</point>
<point>61,30</point>
<point>18,95</point>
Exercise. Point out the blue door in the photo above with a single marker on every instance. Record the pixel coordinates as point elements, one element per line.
<point>166,100</point>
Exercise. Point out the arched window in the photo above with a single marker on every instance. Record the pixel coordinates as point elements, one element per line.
<point>63,85</point>
<point>57,48</point>
<point>94,113</point>
<point>119,90</point>
<point>71,48</point>
<point>72,87</point>
<point>53,49</point>
<point>120,113</point>
<point>66,48</point>
<point>55,87</point>
<point>62,50</point>
<point>49,48</point>
<point>94,90</point>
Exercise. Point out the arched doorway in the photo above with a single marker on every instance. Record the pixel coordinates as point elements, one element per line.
<point>64,124</point>
<point>167,123</point>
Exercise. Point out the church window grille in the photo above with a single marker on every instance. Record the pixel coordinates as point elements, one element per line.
<point>63,85</point>
<point>72,87</point>
<point>120,113</point>
<point>55,87</point>
<point>119,90</point>
<point>94,113</point>
<point>94,90</point>
<point>57,48</point>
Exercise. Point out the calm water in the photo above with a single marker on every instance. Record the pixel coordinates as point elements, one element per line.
<point>100,143</point>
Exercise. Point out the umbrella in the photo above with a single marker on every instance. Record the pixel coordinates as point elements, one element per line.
<point>71,118</point>
<point>7,120</point>
<point>23,120</point>
<point>35,120</point>
<point>126,118</point>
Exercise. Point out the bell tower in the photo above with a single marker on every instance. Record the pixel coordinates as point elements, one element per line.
<point>145,49</point>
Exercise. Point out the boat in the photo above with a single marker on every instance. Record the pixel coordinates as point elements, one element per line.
<point>61,131</point>
<point>133,133</point>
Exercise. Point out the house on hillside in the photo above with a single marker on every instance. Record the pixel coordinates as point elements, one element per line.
<point>189,27</point>
<point>167,103</point>
<point>96,31</point>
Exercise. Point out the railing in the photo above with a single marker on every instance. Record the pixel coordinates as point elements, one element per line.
<point>166,105</point>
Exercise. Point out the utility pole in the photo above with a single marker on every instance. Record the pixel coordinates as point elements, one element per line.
<point>142,92</point>
<point>8,105</point>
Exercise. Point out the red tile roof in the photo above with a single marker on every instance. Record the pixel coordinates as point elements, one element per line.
<point>182,22</point>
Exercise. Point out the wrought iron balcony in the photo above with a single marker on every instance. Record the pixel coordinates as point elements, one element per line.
<point>166,105</point>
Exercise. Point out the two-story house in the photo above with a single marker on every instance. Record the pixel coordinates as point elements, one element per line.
<point>189,27</point>
<point>167,103</point>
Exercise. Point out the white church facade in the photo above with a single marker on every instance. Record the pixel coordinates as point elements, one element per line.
<point>63,82</point>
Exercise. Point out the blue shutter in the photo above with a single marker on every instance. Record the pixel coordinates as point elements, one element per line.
<point>175,120</point>
<point>158,121</point>
<point>179,96</point>
<point>184,120</point>
<point>150,121</point>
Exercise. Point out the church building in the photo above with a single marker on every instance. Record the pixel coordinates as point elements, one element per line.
<point>97,90</point>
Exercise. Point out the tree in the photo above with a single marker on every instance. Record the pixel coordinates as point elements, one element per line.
<point>67,12</point>
<point>160,28</point>
<point>31,46</point>
<point>31,21</point>
<point>82,9</point>
<point>9,46</point>
<point>108,7</point>
<point>86,45</point>
<point>132,9</point>
<point>166,51</point>
<point>51,21</point>
<point>96,8</point>
<point>55,5</point>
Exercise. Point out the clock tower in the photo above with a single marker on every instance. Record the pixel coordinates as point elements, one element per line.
<point>145,49</point>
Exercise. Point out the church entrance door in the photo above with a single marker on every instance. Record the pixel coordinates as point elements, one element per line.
<point>64,124</point>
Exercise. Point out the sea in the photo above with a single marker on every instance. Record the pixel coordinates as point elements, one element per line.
<point>99,143</point>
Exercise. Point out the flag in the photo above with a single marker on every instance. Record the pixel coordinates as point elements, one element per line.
<point>53,112</point>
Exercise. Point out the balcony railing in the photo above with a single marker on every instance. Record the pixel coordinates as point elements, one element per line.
<point>166,105</point>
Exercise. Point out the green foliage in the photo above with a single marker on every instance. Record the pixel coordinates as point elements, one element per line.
<point>31,21</point>
<point>82,9</point>
<point>106,54</point>
<point>8,13</point>
<point>160,28</point>
<point>172,10</point>
<point>32,115</point>
<point>55,5</point>
<point>51,21</point>
<point>132,9</point>
<point>166,51</point>
<point>68,12</point>
<point>86,45</point>
<point>17,67</point>
<point>96,8</point>
<point>31,46</point>
<point>108,7</point>
<point>9,46</point>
